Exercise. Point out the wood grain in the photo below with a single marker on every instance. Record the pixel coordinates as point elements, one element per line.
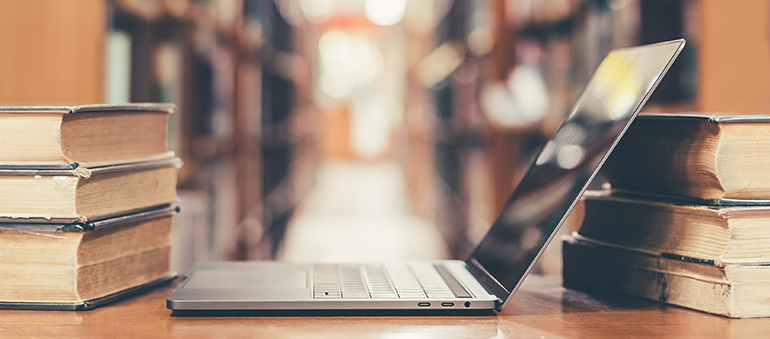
<point>52,52</point>
<point>542,308</point>
<point>734,57</point>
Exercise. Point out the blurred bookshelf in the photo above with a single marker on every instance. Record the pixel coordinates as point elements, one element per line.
<point>487,81</point>
<point>238,74</point>
<point>543,53</point>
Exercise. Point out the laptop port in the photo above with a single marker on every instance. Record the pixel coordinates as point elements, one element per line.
<point>423,304</point>
<point>447,304</point>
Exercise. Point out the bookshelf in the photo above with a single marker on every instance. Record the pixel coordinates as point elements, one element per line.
<point>724,69</point>
<point>246,126</point>
<point>265,143</point>
<point>237,72</point>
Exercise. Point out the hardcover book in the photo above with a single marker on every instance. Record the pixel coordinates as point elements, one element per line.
<point>725,233</point>
<point>82,265</point>
<point>58,137</point>
<point>731,290</point>
<point>83,194</point>
<point>696,156</point>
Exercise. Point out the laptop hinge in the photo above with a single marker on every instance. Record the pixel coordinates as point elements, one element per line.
<point>487,281</point>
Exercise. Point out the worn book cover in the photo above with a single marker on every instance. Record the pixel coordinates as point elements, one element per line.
<point>699,156</point>
<point>83,136</point>
<point>83,194</point>
<point>724,232</point>
<point>731,290</point>
<point>82,266</point>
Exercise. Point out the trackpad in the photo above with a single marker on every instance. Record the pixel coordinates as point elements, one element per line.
<point>248,279</point>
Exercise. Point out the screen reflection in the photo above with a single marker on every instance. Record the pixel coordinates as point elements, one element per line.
<point>564,168</point>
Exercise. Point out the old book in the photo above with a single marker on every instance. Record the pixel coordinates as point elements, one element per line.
<point>729,234</point>
<point>731,290</point>
<point>52,266</point>
<point>694,155</point>
<point>80,194</point>
<point>86,135</point>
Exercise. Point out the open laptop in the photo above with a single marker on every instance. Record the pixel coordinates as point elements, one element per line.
<point>494,271</point>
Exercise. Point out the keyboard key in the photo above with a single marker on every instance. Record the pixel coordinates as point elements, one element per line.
<point>392,281</point>
<point>355,295</point>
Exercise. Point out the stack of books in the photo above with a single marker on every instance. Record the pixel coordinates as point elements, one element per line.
<point>687,218</point>
<point>87,194</point>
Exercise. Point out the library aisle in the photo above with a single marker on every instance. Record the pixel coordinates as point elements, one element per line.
<point>357,212</point>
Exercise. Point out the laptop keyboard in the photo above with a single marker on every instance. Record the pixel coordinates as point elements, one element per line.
<point>389,281</point>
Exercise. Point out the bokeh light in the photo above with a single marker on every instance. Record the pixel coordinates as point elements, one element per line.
<point>385,12</point>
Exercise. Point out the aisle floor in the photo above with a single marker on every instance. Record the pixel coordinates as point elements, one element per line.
<point>357,212</point>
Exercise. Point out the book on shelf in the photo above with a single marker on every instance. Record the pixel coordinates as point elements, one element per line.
<point>731,290</point>
<point>84,136</point>
<point>692,155</point>
<point>83,194</point>
<point>724,233</point>
<point>84,265</point>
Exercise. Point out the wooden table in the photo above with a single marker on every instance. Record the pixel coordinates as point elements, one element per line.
<point>541,309</point>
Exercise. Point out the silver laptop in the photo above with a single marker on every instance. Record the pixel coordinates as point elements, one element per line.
<point>494,271</point>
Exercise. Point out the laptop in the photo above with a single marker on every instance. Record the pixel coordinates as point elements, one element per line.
<point>494,271</point>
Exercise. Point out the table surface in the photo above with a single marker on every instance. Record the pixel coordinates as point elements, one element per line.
<point>541,309</point>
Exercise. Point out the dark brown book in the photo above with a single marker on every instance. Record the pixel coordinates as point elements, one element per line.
<point>697,156</point>
<point>732,290</point>
<point>729,234</point>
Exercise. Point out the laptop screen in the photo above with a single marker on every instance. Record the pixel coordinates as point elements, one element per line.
<point>564,168</point>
